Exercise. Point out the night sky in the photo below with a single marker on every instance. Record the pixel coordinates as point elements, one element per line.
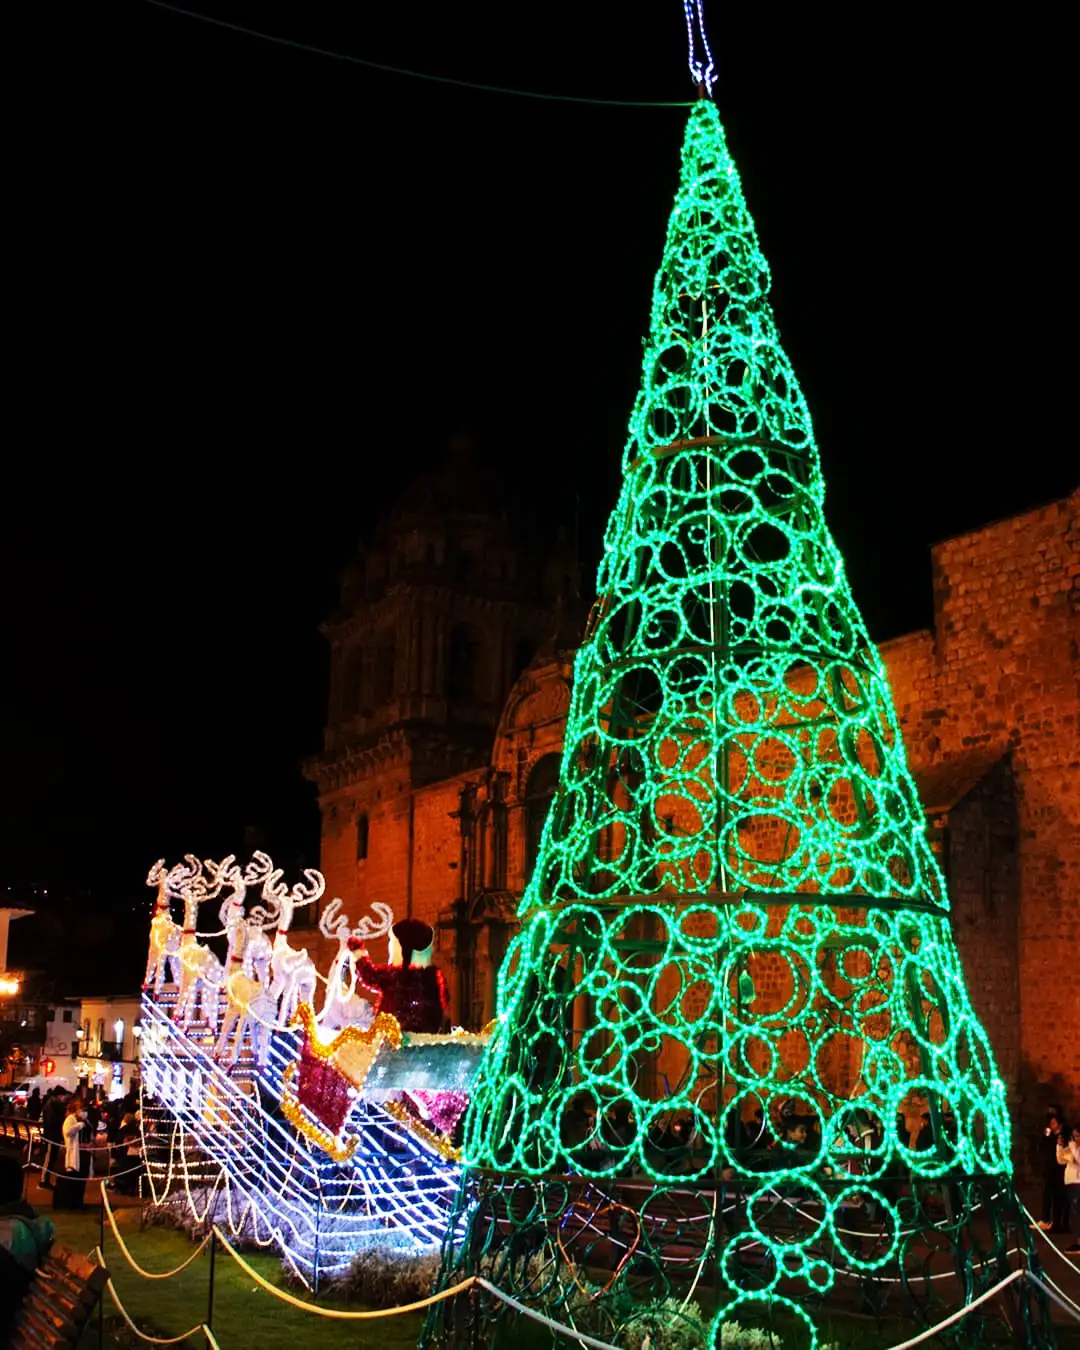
<point>248,292</point>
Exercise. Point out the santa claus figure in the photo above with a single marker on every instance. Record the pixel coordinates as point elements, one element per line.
<point>412,989</point>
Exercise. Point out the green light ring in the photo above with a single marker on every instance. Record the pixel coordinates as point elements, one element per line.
<point>794,1190</point>
<point>890,1253</point>
<point>760,1301</point>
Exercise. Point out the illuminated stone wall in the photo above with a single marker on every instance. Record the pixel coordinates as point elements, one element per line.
<point>989,707</point>
<point>989,704</point>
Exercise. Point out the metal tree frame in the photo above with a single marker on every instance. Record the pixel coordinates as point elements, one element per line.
<point>735,972</point>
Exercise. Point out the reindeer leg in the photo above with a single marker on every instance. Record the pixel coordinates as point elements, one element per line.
<point>243,1028</point>
<point>226,1027</point>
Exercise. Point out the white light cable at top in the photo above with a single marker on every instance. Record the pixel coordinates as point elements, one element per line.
<point>702,70</point>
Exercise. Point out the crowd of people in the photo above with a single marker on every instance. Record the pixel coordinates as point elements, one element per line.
<point>1059,1153</point>
<point>83,1131</point>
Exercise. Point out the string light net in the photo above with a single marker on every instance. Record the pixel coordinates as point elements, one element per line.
<point>736,1075</point>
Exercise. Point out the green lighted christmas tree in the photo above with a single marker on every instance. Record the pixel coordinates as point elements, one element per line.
<point>735,991</point>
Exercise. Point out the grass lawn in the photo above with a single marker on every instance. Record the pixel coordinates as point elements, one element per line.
<point>246,1317</point>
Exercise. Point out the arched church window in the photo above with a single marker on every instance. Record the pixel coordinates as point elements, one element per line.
<point>361,837</point>
<point>462,662</point>
<point>539,791</point>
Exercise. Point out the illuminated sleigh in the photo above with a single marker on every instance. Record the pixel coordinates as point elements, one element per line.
<point>355,1054</point>
<point>420,1079</point>
<point>322,1121</point>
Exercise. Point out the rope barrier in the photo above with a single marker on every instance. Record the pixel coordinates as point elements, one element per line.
<point>84,1147</point>
<point>1018,1274</point>
<point>143,1335</point>
<point>146,1274</point>
<point>477,1281</point>
<point>1059,1298</point>
<point>341,1314</point>
<point>50,1172</point>
<point>1046,1238</point>
<point>545,1321</point>
<point>1063,1302</point>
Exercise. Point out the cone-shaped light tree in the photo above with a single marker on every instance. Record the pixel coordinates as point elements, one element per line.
<point>735,1074</point>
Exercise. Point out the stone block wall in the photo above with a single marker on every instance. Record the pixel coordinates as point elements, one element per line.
<point>1000,676</point>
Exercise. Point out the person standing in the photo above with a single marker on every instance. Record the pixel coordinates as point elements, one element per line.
<point>33,1106</point>
<point>1054,1215</point>
<point>52,1121</point>
<point>130,1169</point>
<point>1068,1157</point>
<point>71,1187</point>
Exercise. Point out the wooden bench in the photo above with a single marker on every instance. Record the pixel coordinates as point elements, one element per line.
<point>19,1128</point>
<point>60,1301</point>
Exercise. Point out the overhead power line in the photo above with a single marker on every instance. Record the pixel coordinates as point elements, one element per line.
<point>401,70</point>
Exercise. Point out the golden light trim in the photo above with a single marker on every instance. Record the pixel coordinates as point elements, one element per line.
<point>438,1142</point>
<point>296,1115</point>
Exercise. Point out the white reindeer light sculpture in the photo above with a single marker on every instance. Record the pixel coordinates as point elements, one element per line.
<point>165,932</point>
<point>343,1004</point>
<point>201,973</point>
<point>293,977</point>
<point>249,1009</point>
<point>231,913</point>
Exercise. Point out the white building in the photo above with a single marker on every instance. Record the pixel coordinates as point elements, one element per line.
<point>60,1049</point>
<point>106,1038</point>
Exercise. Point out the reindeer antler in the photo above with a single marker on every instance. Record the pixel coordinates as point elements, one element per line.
<point>260,867</point>
<point>377,927</point>
<point>333,923</point>
<point>316,885</point>
<point>180,876</point>
<point>300,894</point>
<point>273,888</point>
<point>222,874</point>
<point>262,918</point>
<point>157,873</point>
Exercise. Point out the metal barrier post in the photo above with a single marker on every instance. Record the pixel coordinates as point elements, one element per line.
<point>210,1295</point>
<point>101,1249</point>
<point>318,1216</point>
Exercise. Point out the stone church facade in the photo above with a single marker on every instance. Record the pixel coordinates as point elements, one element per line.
<point>450,678</point>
